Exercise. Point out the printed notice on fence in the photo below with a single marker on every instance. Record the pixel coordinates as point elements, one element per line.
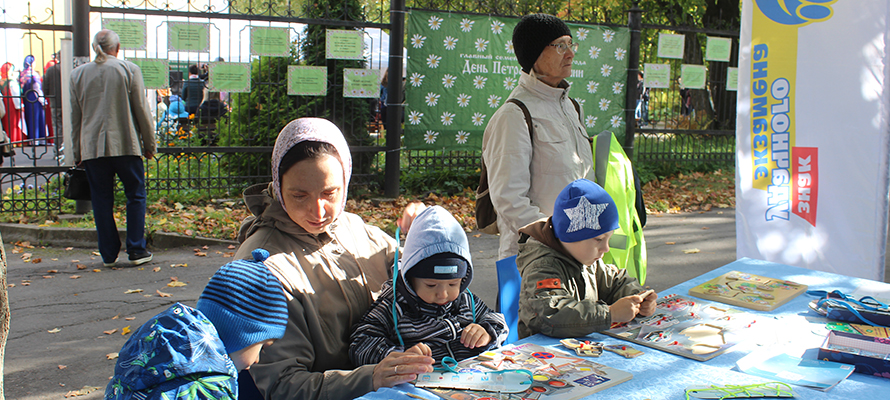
<point>732,78</point>
<point>718,49</point>
<point>343,44</point>
<point>361,83</point>
<point>155,72</point>
<point>307,81</point>
<point>671,46</point>
<point>130,31</point>
<point>269,41</point>
<point>229,77</point>
<point>693,76</point>
<point>657,76</point>
<point>188,36</point>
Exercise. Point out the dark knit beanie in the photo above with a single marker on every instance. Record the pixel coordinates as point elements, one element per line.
<point>245,303</point>
<point>439,266</point>
<point>532,34</point>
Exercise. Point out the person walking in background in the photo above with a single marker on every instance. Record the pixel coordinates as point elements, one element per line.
<point>641,113</point>
<point>12,100</point>
<point>111,128</point>
<point>52,89</point>
<point>32,90</point>
<point>193,90</point>
<point>525,174</point>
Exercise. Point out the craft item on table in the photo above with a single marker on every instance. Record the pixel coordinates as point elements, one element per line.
<point>749,291</point>
<point>688,327</point>
<point>753,391</point>
<point>623,350</point>
<point>869,355</point>
<point>841,307</point>
<point>816,374</point>
<point>555,375</point>
<point>584,348</point>
<point>511,381</point>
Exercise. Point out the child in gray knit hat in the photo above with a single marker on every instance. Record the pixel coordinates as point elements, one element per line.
<point>184,351</point>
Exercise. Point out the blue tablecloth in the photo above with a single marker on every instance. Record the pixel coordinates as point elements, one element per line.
<point>791,328</point>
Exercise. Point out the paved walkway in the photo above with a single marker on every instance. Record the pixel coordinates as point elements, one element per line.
<point>68,311</point>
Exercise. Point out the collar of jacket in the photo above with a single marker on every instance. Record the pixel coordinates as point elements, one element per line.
<point>542,231</point>
<point>534,85</point>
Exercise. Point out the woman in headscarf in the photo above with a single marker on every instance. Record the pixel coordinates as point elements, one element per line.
<point>32,89</point>
<point>12,100</point>
<point>331,264</point>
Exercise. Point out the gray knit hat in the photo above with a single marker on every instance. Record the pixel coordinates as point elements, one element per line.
<point>532,34</point>
<point>245,303</point>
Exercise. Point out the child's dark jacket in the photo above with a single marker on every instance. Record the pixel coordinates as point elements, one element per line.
<point>559,296</point>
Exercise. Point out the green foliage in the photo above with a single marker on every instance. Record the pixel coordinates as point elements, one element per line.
<point>442,182</point>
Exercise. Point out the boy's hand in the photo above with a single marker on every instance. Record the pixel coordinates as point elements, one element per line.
<point>647,307</point>
<point>625,309</point>
<point>474,336</point>
<point>420,348</point>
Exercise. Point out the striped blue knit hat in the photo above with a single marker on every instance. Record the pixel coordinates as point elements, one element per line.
<point>245,303</point>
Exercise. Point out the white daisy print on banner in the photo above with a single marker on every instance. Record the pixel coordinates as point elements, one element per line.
<point>431,99</point>
<point>594,52</point>
<point>590,121</point>
<point>509,47</point>
<point>581,101</point>
<point>463,100</point>
<point>592,86</point>
<point>608,35</point>
<point>606,70</point>
<point>619,54</point>
<point>481,45</point>
<point>416,79</point>
<point>435,23</point>
<point>430,137</point>
<point>494,101</point>
<point>615,121</point>
<point>479,82</point>
<point>433,61</point>
<point>497,27</point>
<point>582,33</point>
<point>604,104</point>
<point>417,41</point>
<point>448,80</point>
<point>447,118</point>
<point>461,137</point>
<point>478,119</point>
<point>414,117</point>
<point>466,25</point>
<point>509,83</point>
<point>450,42</point>
<point>617,87</point>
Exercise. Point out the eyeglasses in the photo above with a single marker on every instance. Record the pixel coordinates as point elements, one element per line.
<point>562,47</point>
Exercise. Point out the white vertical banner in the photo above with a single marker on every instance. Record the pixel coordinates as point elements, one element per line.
<point>812,136</point>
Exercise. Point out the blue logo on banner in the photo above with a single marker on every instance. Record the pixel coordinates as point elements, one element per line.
<point>795,12</point>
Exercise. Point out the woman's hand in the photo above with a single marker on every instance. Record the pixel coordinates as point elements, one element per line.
<point>474,335</point>
<point>408,215</point>
<point>400,367</point>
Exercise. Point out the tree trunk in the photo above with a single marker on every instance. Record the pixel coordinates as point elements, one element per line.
<point>4,314</point>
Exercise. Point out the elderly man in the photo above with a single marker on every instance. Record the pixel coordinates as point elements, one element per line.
<point>111,129</point>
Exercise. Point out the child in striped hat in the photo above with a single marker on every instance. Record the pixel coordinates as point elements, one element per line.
<point>184,350</point>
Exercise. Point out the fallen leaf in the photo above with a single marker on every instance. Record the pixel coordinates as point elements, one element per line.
<point>97,270</point>
<point>52,271</point>
<point>111,356</point>
<point>156,269</point>
<point>110,332</point>
<point>61,384</point>
<point>69,248</point>
<point>126,330</point>
<point>162,294</point>
<point>25,245</point>
<point>62,366</point>
<point>47,277</point>
<point>54,330</point>
<point>10,285</point>
<point>129,318</point>
<point>36,261</point>
<point>116,316</point>
<point>54,259</point>
<point>81,266</point>
<point>174,278</point>
<point>176,284</point>
<point>477,235</point>
<point>670,242</point>
<point>96,253</point>
<point>228,254</point>
<point>205,247</point>
<point>704,228</point>
<point>691,251</point>
<point>183,265</point>
<point>133,291</point>
<point>84,390</point>
<point>75,276</point>
<point>231,247</point>
<point>26,283</point>
<point>75,261</point>
<point>201,254</point>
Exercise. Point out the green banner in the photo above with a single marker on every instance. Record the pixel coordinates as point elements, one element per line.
<point>461,69</point>
<point>671,46</point>
<point>361,83</point>
<point>718,49</point>
<point>188,36</point>
<point>229,77</point>
<point>155,72</point>
<point>693,76</point>
<point>130,31</point>
<point>269,41</point>
<point>344,44</point>
<point>307,81</point>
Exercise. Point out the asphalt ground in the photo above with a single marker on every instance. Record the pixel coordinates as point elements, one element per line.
<point>69,312</point>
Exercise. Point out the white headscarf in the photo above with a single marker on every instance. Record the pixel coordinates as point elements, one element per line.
<point>313,130</point>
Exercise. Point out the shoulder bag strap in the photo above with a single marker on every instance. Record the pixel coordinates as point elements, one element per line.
<point>528,117</point>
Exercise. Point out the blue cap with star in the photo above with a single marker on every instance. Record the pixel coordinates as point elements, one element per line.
<point>583,210</point>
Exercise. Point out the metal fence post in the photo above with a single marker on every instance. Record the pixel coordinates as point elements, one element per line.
<point>635,24</point>
<point>395,100</point>
<point>80,32</point>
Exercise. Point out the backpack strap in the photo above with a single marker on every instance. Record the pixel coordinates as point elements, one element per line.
<point>528,116</point>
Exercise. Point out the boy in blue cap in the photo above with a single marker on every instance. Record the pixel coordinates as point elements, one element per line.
<point>567,290</point>
<point>196,353</point>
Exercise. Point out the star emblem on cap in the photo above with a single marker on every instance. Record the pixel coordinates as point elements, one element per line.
<point>584,215</point>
